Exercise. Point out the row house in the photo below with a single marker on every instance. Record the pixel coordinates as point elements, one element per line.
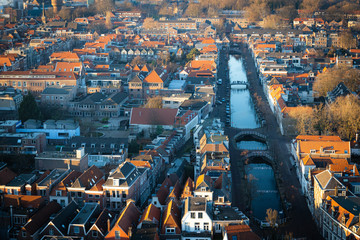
<point>22,143</point>
<point>99,105</point>
<point>131,53</point>
<point>32,229</point>
<point>75,160</point>
<point>58,96</point>
<point>59,192</point>
<point>161,198</point>
<point>125,182</point>
<point>56,131</point>
<point>86,187</point>
<point>177,24</point>
<point>197,219</point>
<point>44,187</point>
<point>310,152</point>
<point>36,82</point>
<point>126,222</point>
<point>171,222</point>
<point>101,151</point>
<point>340,217</point>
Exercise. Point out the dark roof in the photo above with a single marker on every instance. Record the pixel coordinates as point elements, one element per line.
<point>102,145</point>
<point>6,175</point>
<point>57,90</point>
<point>350,203</point>
<point>102,221</point>
<point>193,104</point>
<point>41,217</point>
<point>153,116</point>
<point>88,179</point>
<point>339,91</point>
<point>149,233</point>
<point>63,219</point>
<point>127,173</point>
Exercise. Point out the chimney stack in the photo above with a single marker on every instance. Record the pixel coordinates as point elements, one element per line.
<point>356,137</point>
<point>108,225</point>
<point>130,232</point>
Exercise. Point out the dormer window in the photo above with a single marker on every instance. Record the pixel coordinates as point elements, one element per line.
<point>93,145</point>
<point>73,145</point>
<point>221,199</point>
<point>312,151</point>
<point>83,145</point>
<point>112,145</point>
<point>203,189</point>
<point>102,145</point>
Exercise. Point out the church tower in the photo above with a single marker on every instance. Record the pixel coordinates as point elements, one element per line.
<point>43,17</point>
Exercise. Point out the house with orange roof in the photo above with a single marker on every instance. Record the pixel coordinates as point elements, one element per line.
<point>318,152</point>
<point>204,187</point>
<point>64,57</point>
<point>188,189</point>
<point>151,215</point>
<point>343,214</point>
<point>240,231</point>
<point>125,224</point>
<point>171,222</point>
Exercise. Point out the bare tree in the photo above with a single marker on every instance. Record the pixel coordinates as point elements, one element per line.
<point>271,217</point>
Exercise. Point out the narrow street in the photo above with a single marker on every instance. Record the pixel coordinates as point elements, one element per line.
<point>300,221</point>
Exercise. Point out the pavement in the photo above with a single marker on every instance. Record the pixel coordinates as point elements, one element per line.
<point>300,223</point>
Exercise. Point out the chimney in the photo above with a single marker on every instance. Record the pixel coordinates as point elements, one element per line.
<point>130,232</point>
<point>108,225</point>
<point>336,191</point>
<point>356,137</point>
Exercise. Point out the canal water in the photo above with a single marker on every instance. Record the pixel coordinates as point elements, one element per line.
<point>264,193</point>
<point>243,114</point>
<point>263,190</point>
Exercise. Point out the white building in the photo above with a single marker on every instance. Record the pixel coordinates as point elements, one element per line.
<point>56,131</point>
<point>196,222</point>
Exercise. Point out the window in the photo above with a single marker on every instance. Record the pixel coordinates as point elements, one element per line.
<point>76,230</point>
<point>97,196</point>
<point>23,234</point>
<point>221,199</point>
<point>200,215</point>
<point>73,145</point>
<point>193,215</point>
<point>90,196</point>
<point>170,230</point>
<point>58,193</point>
<point>206,226</point>
<point>117,234</point>
<point>51,231</point>
<point>94,233</point>
<point>92,145</point>
<point>197,226</point>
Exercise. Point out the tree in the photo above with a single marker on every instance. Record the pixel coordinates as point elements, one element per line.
<point>347,40</point>
<point>193,10</point>
<point>192,54</point>
<point>272,21</point>
<point>345,116</point>
<point>271,217</point>
<point>154,102</point>
<point>103,6</point>
<point>304,120</point>
<point>29,109</point>
<point>329,79</point>
<point>65,14</point>
<point>257,10</point>
<point>98,27</point>
<point>138,61</point>
<point>149,23</point>
<point>311,5</point>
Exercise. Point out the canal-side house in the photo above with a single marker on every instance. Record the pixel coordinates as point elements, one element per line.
<point>326,184</point>
<point>197,219</point>
<point>311,152</point>
<point>340,217</point>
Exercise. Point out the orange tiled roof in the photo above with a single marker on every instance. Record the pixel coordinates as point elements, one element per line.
<point>342,147</point>
<point>153,77</point>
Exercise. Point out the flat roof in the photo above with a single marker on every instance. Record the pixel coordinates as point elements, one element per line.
<point>85,213</point>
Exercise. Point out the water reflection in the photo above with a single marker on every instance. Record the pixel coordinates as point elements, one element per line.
<point>264,193</point>
<point>243,114</point>
<point>251,145</point>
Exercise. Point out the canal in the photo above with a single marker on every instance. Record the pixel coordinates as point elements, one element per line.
<point>263,190</point>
